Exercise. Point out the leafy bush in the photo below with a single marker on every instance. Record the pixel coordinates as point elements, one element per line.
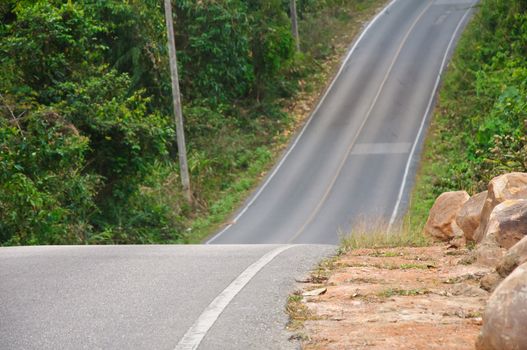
<point>47,44</point>
<point>123,136</point>
<point>213,37</point>
<point>44,196</point>
<point>272,44</point>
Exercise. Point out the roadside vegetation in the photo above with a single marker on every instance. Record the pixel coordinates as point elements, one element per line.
<point>479,127</point>
<point>87,144</point>
<point>380,235</point>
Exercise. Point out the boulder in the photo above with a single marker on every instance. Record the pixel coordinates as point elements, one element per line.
<point>505,317</point>
<point>515,257</point>
<point>500,189</point>
<point>441,223</point>
<point>489,253</point>
<point>469,216</point>
<point>508,223</point>
<point>458,240</point>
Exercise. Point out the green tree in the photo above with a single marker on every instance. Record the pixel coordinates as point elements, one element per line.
<point>213,37</point>
<point>272,45</point>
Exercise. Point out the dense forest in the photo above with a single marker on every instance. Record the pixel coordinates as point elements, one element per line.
<point>87,143</point>
<point>480,127</point>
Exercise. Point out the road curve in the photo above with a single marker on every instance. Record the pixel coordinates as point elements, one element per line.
<point>356,157</point>
<point>148,297</point>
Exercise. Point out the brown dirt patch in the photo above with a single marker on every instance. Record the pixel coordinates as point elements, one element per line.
<point>397,298</point>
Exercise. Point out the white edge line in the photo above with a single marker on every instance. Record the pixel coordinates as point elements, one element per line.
<point>364,121</point>
<point>208,317</point>
<point>425,118</point>
<point>270,177</point>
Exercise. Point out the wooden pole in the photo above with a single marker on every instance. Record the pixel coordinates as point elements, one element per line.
<point>180,134</point>
<point>294,24</point>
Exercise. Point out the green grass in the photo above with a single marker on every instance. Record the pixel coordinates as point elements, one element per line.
<point>391,292</point>
<point>380,254</point>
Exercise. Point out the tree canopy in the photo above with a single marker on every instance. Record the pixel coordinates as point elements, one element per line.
<point>85,107</point>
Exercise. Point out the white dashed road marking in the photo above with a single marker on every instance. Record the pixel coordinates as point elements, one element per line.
<point>381,148</point>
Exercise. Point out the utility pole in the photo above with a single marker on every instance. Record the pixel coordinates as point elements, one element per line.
<point>180,134</point>
<point>294,23</point>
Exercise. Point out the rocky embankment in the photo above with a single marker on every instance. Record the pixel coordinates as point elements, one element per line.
<point>466,291</point>
<point>394,298</point>
<point>495,223</point>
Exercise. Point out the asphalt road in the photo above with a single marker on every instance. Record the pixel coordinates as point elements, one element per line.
<point>354,160</point>
<point>147,297</point>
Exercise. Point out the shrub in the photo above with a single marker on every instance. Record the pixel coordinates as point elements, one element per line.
<point>45,198</point>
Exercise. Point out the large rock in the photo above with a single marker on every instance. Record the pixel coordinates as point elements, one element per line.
<point>500,189</point>
<point>505,319</point>
<point>508,223</point>
<point>441,222</point>
<point>469,216</point>
<point>506,226</point>
<point>489,253</point>
<point>515,257</point>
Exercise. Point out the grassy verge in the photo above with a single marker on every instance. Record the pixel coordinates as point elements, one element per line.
<point>478,130</point>
<point>256,148</point>
<point>379,235</point>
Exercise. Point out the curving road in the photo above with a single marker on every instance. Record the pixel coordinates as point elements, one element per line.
<point>355,159</point>
<point>148,297</point>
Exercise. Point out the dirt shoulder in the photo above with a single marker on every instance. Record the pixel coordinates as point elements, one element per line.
<point>394,298</point>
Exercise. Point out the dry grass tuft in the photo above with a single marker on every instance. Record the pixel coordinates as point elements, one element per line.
<point>298,311</point>
<point>378,234</point>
